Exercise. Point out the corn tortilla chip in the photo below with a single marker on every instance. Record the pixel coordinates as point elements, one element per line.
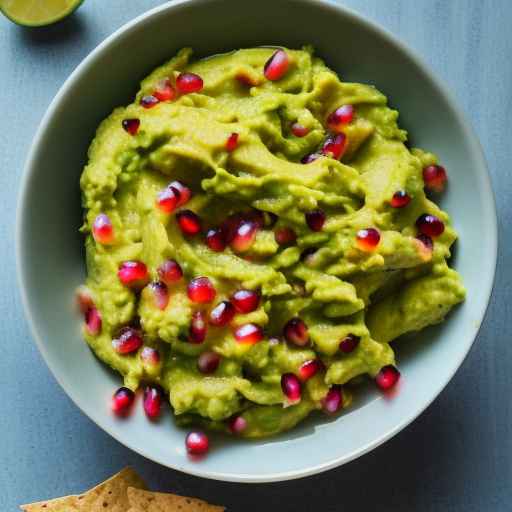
<point>64,504</point>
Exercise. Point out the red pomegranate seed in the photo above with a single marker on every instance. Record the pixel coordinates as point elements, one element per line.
<point>197,443</point>
<point>256,216</point>
<point>307,159</point>
<point>435,177</point>
<point>149,101</point>
<point>160,294</point>
<point>189,222</point>
<point>340,117</point>
<point>150,355</point>
<point>296,331</point>
<point>102,229</point>
<point>84,299</point>
<point>131,125</point>
<point>430,225</point>
<point>245,301</point>
<point>152,402</point>
<point>310,368</point>
<point>208,362</point>
<point>333,401</point>
<point>222,314</point>
<point>277,66</point>
<point>128,340</point>
<point>164,90</point>
<point>349,343</point>
<point>245,235</point>
<point>249,334</point>
<point>93,321</point>
<point>184,193</point>
<point>426,241</point>
<point>168,199</point>
<point>285,236</point>
<point>201,290</point>
<point>232,142</point>
<point>197,331</point>
<point>367,239</point>
<point>237,424</point>
<point>291,387</point>
<point>189,82</point>
<point>229,227</point>
<point>335,145</point>
<point>170,271</point>
<point>387,377</point>
<point>133,274</point>
<point>215,240</point>
<point>315,219</point>
<point>299,130</point>
<point>122,401</point>
<point>400,199</point>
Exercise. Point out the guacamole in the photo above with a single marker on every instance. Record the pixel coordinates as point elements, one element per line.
<point>257,232</point>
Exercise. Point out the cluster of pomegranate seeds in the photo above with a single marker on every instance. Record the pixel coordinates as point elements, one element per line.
<point>197,330</point>
<point>435,177</point>
<point>197,443</point>
<point>387,377</point>
<point>249,334</point>
<point>128,340</point>
<point>187,83</point>
<point>170,271</point>
<point>296,331</point>
<point>290,384</point>
<point>201,290</point>
<point>102,229</point>
<point>93,321</point>
<point>367,239</point>
<point>133,274</point>
<point>232,142</point>
<point>309,369</point>
<point>189,222</point>
<point>208,362</point>
<point>167,199</point>
<point>277,66</point>
<point>150,355</point>
<point>333,401</point>
<point>349,343</point>
<point>244,236</point>
<point>335,145</point>
<point>184,193</point>
<point>400,199</point>
<point>315,219</point>
<point>164,90</point>
<point>340,117</point>
<point>430,225</point>
<point>149,101</point>
<point>160,294</point>
<point>215,240</point>
<point>307,159</point>
<point>222,314</point>
<point>245,301</point>
<point>131,125</point>
<point>122,401</point>
<point>237,424</point>
<point>426,241</point>
<point>299,130</point>
<point>285,236</point>
<point>152,402</point>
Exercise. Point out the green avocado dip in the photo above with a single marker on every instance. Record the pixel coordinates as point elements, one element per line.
<point>257,233</point>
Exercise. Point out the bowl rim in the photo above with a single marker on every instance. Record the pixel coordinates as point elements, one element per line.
<point>28,173</point>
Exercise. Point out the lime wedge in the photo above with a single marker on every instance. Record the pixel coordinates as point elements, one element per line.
<point>35,13</point>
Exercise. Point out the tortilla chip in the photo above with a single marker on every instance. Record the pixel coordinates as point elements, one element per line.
<point>147,501</point>
<point>64,504</point>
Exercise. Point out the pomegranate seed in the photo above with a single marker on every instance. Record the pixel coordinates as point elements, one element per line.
<point>208,362</point>
<point>310,368</point>
<point>122,400</point>
<point>197,331</point>
<point>168,199</point>
<point>349,343</point>
<point>164,90</point>
<point>160,293</point>
<point>149,101</point>
<point>237,424</point>
<point>189,82</point>
<point>93,321</point>
<point>102,229</point>
<point>249,333</point>
<point>307,159</point>
<point>296,331</point>
<point>341,116</point>
<point>285,236</point>
<point>245,235</point>
<point>277,66</point>
<point>400,199</point>
<point>333,400</point>
<point>184,193</point>
<point>257,217</point>
<point>170,271</point>
<point>387,377</point>
<point>246,80</point>
<point>299,130</point>
<point>222,314</point>
<point>128,340</point>
<point>189,222</point>
<point>367,239</point>
<point>215,240</point>
<point>131,125</point>
<point>230,226</point>
<point>291,387</point>
<point>150,355</point>
<point>430,225</point>
<point>197,443</point>
<point>426,241</point>
<point>335,145</point>
<point>133,274</point>
<point>315,219</point>
<point>435,177</point>
<point>232,142</point>
<point>84,299</point>
<point>245,301</point>
<point>201,290</point>
<point>152,402</point>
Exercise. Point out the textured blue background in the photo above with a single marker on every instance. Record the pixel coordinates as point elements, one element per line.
<point>456,456</point>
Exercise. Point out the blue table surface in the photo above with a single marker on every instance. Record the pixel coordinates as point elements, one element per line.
<point>455,456</point>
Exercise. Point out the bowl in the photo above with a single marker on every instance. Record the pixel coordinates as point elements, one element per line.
<point>50,249</point>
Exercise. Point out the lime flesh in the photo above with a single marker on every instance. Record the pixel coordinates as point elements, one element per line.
<point>35,13</point>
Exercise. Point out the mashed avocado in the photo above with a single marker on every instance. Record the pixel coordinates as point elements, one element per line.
<point>324,245</point>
